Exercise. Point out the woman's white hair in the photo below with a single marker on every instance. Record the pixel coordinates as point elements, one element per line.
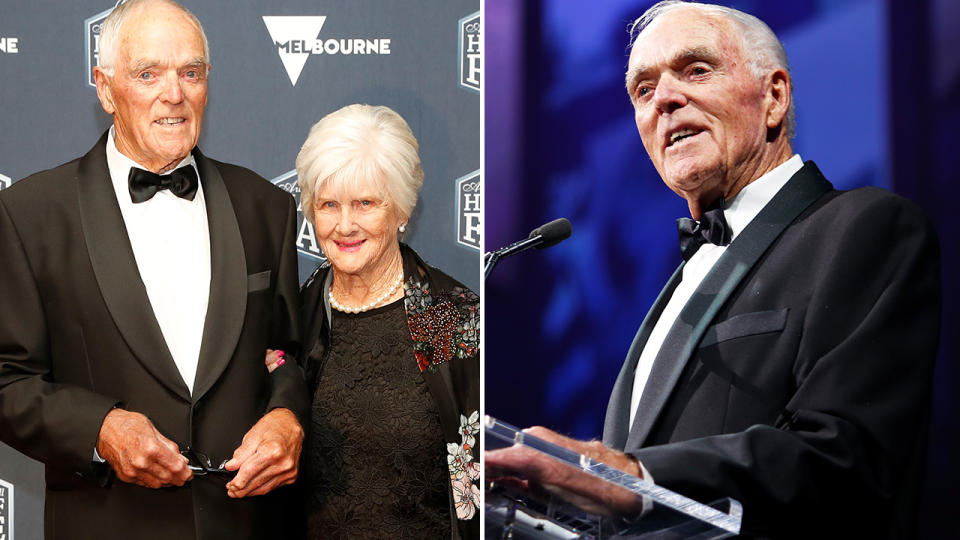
<point>760,46</point>
<point>357,147</point>
<point>109,44</point>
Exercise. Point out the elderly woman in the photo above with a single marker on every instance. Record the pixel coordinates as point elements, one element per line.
<point>393,346</point>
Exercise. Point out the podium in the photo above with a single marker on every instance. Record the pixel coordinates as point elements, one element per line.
<point>644,510</point>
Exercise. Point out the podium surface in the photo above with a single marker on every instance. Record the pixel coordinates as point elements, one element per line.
<point>642,509</point>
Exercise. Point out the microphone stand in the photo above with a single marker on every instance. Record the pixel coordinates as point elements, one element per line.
<point>493,258</point>
<point>491,262</point>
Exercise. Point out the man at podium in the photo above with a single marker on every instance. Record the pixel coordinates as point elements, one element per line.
<point>787,363</point>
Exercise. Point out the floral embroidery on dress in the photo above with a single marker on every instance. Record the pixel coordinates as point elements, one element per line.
<point>464,471</point>
<point>469,427</point>
<point>443,327</point>
<point>458,460</point>
<point>466,498</point>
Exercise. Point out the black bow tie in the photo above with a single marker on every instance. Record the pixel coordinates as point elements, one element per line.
<point>143,185</point>
<point>712,228</point>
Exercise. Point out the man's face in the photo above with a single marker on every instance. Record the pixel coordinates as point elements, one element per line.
<point>159,87</point>
<point>699,109</point>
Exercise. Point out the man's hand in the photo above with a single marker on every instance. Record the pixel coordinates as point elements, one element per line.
<point>268,457</point>
<point>138,453</point>
<point>524,467</point>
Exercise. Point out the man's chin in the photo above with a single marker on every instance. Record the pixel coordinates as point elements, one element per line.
<point>689,177</point>
<point>172,141</point>
<point>173,154</point>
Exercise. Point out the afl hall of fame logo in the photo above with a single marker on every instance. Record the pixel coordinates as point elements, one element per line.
<point>470,66</point>
<point>6,510</point>
<point>469,210</point>
<point>307,244</point>
<point>91,32</point>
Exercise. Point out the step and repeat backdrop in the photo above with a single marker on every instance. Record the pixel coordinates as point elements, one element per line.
<point>277,68</point>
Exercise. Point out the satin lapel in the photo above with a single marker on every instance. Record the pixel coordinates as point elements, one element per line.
<point>228,280</point>
<point>116,270</point>
<point>805,187</point>
<point>615,425</point>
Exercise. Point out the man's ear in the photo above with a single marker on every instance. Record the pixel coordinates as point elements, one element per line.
<point>103,90</point>
<point>777,97</point>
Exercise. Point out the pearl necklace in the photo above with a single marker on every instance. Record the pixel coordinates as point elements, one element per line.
<point>370,305</point>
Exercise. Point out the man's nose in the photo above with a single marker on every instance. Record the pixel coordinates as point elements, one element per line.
<point>669,95</point>
<point>172,91</point>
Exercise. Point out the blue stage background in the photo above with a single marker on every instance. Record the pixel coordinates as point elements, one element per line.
<point>876,88</point>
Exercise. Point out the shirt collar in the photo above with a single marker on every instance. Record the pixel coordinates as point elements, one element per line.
<point>742,208</point>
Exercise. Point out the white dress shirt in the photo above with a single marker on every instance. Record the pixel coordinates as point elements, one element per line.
<point>738,212</point>
<point>171,244</point>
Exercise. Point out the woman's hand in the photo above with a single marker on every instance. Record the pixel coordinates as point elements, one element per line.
<point>274,359</point>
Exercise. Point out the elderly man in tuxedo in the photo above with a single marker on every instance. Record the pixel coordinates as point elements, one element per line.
<point>787,363</point>
<point>139,288</point>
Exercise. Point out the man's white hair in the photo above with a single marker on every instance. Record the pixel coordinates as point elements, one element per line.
<point>760,46</point>
<point>361,146</point>
<point>109,45</point>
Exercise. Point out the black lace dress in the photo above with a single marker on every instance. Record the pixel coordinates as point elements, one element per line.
<point>375,445</point>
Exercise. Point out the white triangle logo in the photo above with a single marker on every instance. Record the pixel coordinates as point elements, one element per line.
<point>284,30</point>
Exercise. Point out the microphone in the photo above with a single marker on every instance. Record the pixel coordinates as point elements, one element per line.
<point>544,236</point>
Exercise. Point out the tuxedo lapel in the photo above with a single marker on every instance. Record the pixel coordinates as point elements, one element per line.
<point>805,187</point>
<point>227,306</point>
<point>618,409</point>
<point>115,268</point>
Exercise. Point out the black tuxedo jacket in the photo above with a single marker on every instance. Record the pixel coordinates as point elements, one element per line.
<point>78,336</point>
<point>797,378</point>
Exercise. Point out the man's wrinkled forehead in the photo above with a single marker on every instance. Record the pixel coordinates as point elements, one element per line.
<point>682,31</point>
<point>152,17</point>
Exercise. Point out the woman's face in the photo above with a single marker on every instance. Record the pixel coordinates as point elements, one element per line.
<point>357,230</point>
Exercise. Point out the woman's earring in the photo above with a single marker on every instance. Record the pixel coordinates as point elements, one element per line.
<point>402,228</point>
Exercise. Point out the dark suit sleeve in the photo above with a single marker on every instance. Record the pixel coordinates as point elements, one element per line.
<point>288,386</point>
<point>851,433</point>
<point>54,423</point>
